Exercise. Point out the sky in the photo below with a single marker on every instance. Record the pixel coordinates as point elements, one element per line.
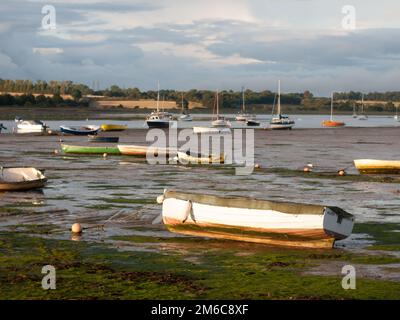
<point>205,44</point>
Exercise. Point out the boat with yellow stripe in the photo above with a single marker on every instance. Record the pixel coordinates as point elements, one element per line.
<point>113,127</point>
<point>372,166</point>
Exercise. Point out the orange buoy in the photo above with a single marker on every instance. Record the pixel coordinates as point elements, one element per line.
<point>76,228</point>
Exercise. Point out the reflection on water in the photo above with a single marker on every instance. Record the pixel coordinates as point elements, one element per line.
<point>120,191</point>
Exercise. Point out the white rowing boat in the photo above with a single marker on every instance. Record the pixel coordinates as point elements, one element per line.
<point>17,179</point>
<point>251,220</point>
<point>193,158</point>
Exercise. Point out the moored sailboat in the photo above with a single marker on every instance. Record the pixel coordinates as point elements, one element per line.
<point>280,121</point>
<point>331,122</point>
<point>185,116</point>
<point>363,115</point>
<point>219,121</point>
<point>158,119</point>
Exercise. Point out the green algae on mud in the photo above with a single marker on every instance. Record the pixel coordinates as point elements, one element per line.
<point>385,235</point>
<point>95,271</point>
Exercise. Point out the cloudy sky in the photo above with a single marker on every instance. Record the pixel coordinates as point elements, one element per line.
<point>205,44</point>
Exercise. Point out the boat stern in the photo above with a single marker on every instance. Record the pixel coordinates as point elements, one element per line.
<point>338,223</point>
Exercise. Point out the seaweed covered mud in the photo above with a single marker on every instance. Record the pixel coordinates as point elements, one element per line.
<point>126,252</point>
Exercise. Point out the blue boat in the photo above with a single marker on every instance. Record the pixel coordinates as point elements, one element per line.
<point>103,139</point>
<point>80,131</point>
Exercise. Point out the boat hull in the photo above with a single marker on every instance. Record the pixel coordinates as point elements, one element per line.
<point>21,179</point>
<point>276,126</point>
<point>157,124</point>
<point>113,127</point>
<point>250,220</point>
<point>184,158</point>
<point>332,124</point>
<point>89,150</point>
<point>213,130</point>
<point>103,139</point>
<point>371,166</point>
<point>79,132</point>
<point>143,151</point>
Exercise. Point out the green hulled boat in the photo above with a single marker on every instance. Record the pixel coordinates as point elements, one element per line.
<point>89,150</point>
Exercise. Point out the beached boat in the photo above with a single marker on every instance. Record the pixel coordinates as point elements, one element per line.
<point>80,131</point>
<point>30,126</point>
<point>280,121</point>
<point>103,139</point>
<point>196,158</point>
<point>2,127</point>
<point>19,179</point>
<point>211,130</point>
<point>372,166</point>
<point>252,220</point>
<point>113,127</point>
<point>331,122</point>
<point>142,151</point>
<point>89,150</point>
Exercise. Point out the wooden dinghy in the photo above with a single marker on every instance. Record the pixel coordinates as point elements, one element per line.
<point>251,220</point>
<point>371,166</point>
<point>113,127</point>
<point>89,150</point>
<point>142,151</point>
<point>196,158</point>
<point>103,139</point>
<point>19,179</point>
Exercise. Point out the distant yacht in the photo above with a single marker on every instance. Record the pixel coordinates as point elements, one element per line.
<point>363,115</point>
<point>159,119</point>
<point>243,116</point>
<point>219,121</point>
<point>331,122</point>
<point>355,116</point>
<point>185,116</point>
<point>279,121</point>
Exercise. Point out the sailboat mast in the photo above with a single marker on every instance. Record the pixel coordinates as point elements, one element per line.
<point>279,96</point>
<point>362,103</point>
<point>158,95</point>
<point>217,106</point>
<point>182,103</point>
<point>332,106</point>
<point>243,106</point>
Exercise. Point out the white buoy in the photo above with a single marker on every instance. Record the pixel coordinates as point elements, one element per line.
<point>160,199</point>
<point>55,151</point>
<point>257,166</point>
<point>105,155</point>
<point>76,228</point>
<point>342,173</point>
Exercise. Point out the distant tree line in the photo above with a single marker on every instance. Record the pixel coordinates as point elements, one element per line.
<point>40,100</point>
<point>228,98</point>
